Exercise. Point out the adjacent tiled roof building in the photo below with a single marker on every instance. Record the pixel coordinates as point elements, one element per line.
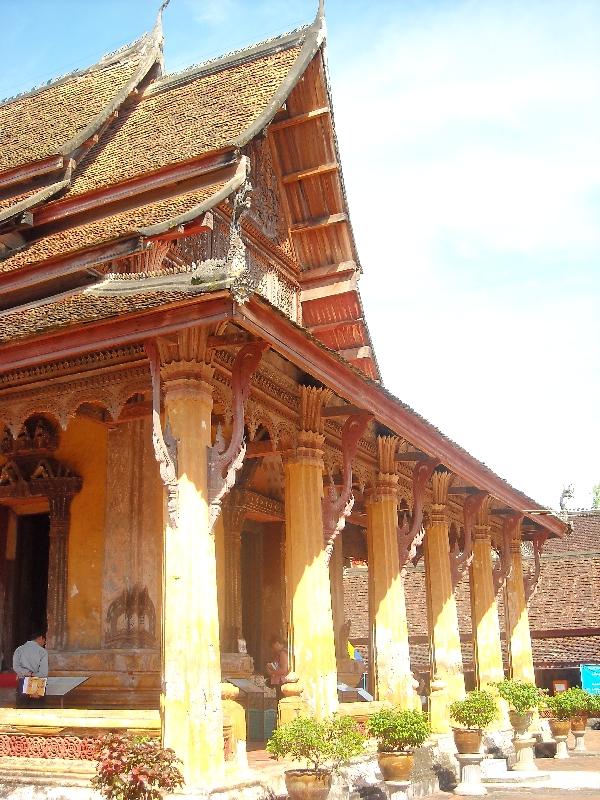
<point>564,611</point>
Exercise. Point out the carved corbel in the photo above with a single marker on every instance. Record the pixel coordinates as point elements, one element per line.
<point>165,445</point>
<point>337,505</point>
<point>224,462</point>
<point>410,535</point>
<point>531,579</point>
<point>503,567</point>
<point>460,562</point>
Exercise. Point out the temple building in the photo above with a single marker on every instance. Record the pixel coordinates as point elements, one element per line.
<point>193,420</point>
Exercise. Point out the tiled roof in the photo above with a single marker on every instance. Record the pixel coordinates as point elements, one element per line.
<point>583,538</point>
<point>78,308</point>
<point>38,124</point>
<point>179,120</point>
<point>568,594</point>
<point>107,229</point>
<point>566,651</point>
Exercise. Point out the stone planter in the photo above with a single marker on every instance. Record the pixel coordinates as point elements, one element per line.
<point>560,730</point>
<point>306,784</point>
<point>578,723</point>
<point>467,740</point>
<point>560,727</point>
<point>395,766</point>
<point>521,722</point>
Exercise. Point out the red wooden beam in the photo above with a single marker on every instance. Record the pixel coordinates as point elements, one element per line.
<point>293,343</point>
<point>145,183</point>
<point>115,332</point>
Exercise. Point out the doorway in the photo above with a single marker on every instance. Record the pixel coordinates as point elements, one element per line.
<point>30,577</point>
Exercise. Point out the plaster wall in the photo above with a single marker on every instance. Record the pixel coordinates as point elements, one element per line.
<point>83,447</point>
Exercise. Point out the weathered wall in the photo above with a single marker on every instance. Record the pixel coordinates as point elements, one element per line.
<point>83,447</point>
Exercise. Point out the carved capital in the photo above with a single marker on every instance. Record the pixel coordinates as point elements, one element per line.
<point>438,514</point>
<point>441,480</point>
<point>386,454</point>
<point>482,514</point>
<point>512,528</point>
<point>312,400</point>
<point>311,441</point>
<point>481,533</point>
<point>386,485</point>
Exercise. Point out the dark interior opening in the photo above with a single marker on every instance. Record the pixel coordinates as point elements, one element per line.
<point>30,579</point>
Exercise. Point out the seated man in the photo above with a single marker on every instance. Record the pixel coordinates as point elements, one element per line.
<point>30,660</point>
<point>279,667</point>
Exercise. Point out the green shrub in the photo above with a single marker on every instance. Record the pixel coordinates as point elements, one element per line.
<point>581,701</point>
<point>561,705</point>
<point>476,711</point>
<point>594,705</point>
<point>135,768</point>
<point>322,744</point>
<point>522,696</point>
<point>398,730</point>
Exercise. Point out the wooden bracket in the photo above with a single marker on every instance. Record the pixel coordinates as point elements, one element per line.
<point>336,506</point>
<point>503,567</point>
<point>165,445</point>
<point>531,579</point>
<point>224,462</point>
<point>410,535</point>
<point>460,562</point>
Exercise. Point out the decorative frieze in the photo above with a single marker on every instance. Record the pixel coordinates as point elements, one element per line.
<point>63,398</point>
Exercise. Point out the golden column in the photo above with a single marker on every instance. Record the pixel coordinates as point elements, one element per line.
<point>446,656</point>
<point>312,641</point>
<point>487,650</point>
<point>518,635</point>
<point>191,707</point>
<point>393,679</point>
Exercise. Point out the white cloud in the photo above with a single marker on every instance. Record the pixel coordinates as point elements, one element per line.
<point>469,138</point>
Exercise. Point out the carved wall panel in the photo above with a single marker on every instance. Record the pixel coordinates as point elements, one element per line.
<point>133,538</point>
<point>266,210</point>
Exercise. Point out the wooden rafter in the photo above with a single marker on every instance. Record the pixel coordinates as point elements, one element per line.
<point>299,119</point>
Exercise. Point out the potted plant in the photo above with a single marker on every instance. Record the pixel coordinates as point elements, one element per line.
<point>582,704</point>
<point>560,706</point>
<point>523,698</point>
<point>323,745</point>
<point>135,768</point>
<point>398,733</point>
<point>474,713</point>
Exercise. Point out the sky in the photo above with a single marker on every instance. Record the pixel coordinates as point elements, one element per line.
<point>469,135</point>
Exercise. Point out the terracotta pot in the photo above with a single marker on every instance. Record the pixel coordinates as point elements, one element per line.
<point>306,784</point>
<point>520,722</point>
<point>579,722</point>
<point>468,740</point>
<point>560,727</point>
<point>395,766</point>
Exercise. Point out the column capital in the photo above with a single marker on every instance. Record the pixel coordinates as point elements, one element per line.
<point>511,528</point>
<point>482,516</point>
<point>312,400</point>
<point>184,361</point>
<point>386,454</point>
<point>386,485</point>
<point>441,480</point>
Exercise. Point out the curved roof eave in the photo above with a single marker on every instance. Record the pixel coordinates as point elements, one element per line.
<point>232,185</point>
<point>315,36</point>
